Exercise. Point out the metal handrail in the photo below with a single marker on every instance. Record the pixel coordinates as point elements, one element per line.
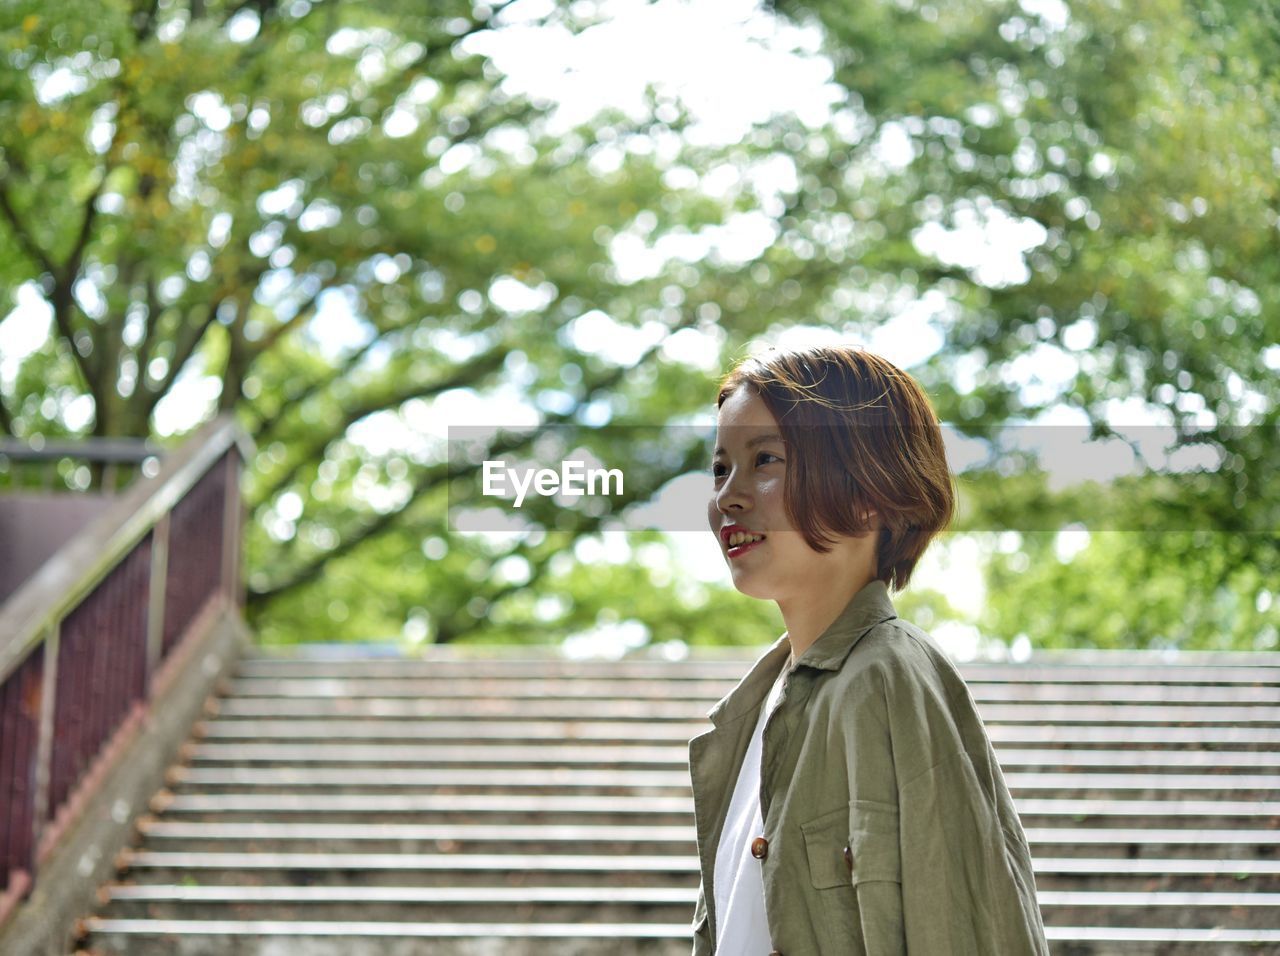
<point>64,580</point>
<point>102,629</point>
<point>129,451</point>
<point>43,456</point>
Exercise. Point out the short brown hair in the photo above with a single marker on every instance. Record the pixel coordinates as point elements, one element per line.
<point>847,406</point>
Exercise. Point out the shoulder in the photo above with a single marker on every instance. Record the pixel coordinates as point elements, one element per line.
<point>897,655</point>
<point>898,675</point>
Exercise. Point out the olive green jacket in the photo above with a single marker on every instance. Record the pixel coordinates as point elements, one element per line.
<point>890,827</point>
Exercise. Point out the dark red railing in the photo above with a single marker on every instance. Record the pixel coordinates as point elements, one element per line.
<point>98,631</point>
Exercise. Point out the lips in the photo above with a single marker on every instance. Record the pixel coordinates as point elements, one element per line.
<point>728,532</point>
<point>741,549</point>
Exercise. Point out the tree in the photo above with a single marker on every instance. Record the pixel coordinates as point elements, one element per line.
<point>336,216</point>
<point>196,189</point>
<point>1133,159</point>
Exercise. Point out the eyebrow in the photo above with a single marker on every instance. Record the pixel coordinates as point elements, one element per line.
<point>758,440</point>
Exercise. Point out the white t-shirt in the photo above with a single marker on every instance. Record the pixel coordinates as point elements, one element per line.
<point>741,928</point>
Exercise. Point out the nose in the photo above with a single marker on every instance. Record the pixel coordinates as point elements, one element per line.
<point>732,494</point>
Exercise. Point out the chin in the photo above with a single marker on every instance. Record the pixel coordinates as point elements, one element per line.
<point>755,589</point>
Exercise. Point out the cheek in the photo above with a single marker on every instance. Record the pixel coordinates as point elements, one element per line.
<point>770,497</point>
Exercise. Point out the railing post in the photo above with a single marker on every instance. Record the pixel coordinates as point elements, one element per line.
<point>231,530</point>
<point>44,741</point>
<point>156,598</point>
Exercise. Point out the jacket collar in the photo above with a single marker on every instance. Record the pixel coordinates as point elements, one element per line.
<point>869,607</point>
<point>865,610</point>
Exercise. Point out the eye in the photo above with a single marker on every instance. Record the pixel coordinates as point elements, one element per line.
<point>717,469</point>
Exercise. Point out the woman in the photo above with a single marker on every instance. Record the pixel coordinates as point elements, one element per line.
<point>847,799</point>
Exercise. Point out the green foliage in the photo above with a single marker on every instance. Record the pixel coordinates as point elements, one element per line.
<point>196,189</point>
<point>192,186</point>
<point>1139,152</point>
<point>1187,589</point>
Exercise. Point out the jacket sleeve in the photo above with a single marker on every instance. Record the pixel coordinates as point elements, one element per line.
<point>967,882</point>
<point>875,864</point>
<point>938,858</point>
<point>700,926</point>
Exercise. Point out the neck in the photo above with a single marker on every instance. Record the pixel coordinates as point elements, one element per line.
<point>808,617</point>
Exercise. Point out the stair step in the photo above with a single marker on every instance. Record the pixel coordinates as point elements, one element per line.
<point>418,869</point>
<point>1161,936</point>
<point>512,807</point>
<point>530,697</point>
<point>496,863</point>
<point>615,733</point>
<point>599,894</point>
<point>424,894</point>
<point>610,688</point>
<point>649,807</point>
<point>602,754</point>
<point>335,868</point>
<point>334,937</point>
<point>455,688</point>
<point>605,904</point>
<point>331,930</point>
<point>638,710</point>
<point>340,728</point>
<point>429,904</point>
<point>505,778</point>
<point>463,752</point>
<point>1222,844</point>
<point>623,905</point>
<point>453,838</point>
<point>544,838</point>
<point>592,753</point>
<point>1041,730</point>
<point>1123,739</point>
<point>1111,667</point>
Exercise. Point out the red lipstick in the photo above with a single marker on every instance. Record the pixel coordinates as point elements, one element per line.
<point>737,550</point>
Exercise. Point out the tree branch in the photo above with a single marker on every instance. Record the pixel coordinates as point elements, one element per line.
<point>6,420</point>
<point>465,375</point>
<point>352,539</point>
<point>149,336</point>
<point>63,298</point>
<point>303,312</point>
<point>191,334</point>
<point>145,22</point>
<point>25,239</point>
<point>268,421</point>
<point>76,256</point>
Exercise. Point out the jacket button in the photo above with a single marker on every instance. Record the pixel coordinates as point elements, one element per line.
<point>848,858</point>
<point>759,848</point>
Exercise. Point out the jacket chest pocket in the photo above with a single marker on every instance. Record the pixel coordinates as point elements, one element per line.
<point>824,839</point>
<point>853,844</point>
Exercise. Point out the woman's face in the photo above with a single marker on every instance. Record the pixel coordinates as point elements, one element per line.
<point>749,470</point>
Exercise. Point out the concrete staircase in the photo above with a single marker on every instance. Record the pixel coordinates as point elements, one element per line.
<point>485,801</point>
